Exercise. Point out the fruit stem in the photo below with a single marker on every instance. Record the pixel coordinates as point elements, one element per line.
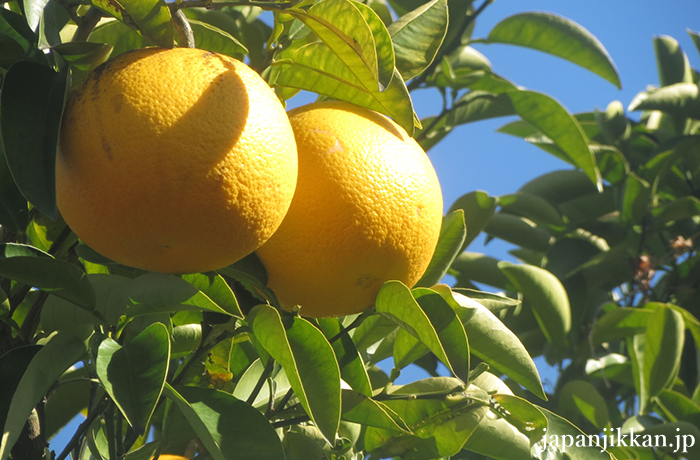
<point>184,30</point>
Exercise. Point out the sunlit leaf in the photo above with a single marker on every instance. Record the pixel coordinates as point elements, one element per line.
<point>352,367</point>
<point>478,208</point>
<point>452,235</point>
<point>309,361</point>
<point>579,397</point>
<point>150,17</point>
<point>620,323</point>
<point>210,38</point>
<point>671,61</point>
<point>546,296</point>
<point>417,36</point>
<point>562,436</point>
<point>359,408</point>
<point>559,36</point>
<point>429,319</point>
<point>680,99</point>
<point>134,374</point>
<point>493,342</point>
<point>554,121</point>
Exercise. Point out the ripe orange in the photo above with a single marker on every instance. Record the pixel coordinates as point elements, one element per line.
<point>175,160</point>
<point>367,209</point>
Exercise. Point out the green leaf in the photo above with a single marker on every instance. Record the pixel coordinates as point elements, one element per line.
<point>429,319</point>
<point>33,11</point>
<point>518,231</point>
<point>452,235</point>
<point>32,105</point>
<point>671,61</point>
<point>40,270</point>
<point>560,186</point>
<point>61,352</point>
<point>554,121</point>
<point>122,37</point>
<point>579,397</point>
<point>134,375</point>
<point>84,55</point>
<point>345,29</point>
<point>478,208</point>
<point>211,38</point>
<point>249,380</point>
<point>156,292</point>
<point>472,266</point>
<point>239,430</point>
<point>532,207</point>
<point>681,208</point>
<point>681,99</point>
<point>493,302</point>
<point>492,342</point>
<point>67,400</point>
<point>558,36</point>
<point>562,436</point>
<point>315,67</point>
<point>523,415</point>
<point>440,426</point>
<point>495,438</point>
<point>214,287</point>
<point>13,364</point>
<point>620,323</point>
<point>635,201</point>
<point>681,407</point>
<point>352,367</point>
<point>360,408</point>
<point>417,36</point>
<point>663,348</point>
<point>150,17</point>
<point>695,36</point>
<point>14,214</point>
<point>546,296</point>
<point>309,361</point>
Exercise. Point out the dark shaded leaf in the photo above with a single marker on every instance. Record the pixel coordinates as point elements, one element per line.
<point>13,364</point>
<point>518,231</point>
<point>532,207</point>
<point>32,105</point>
<point>473,266</point>
<point>560,186</point>
<point>558,36</point>
<point>671,61</point>
<point>663,348</point>
<point>48,364</point>
<point>352,367</point>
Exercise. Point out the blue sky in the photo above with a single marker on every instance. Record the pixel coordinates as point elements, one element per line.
<point>475,157</point>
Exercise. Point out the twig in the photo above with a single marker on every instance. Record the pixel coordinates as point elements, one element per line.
<point>83,428</point>
<point>356,323</point>
<point>291,421</point>
<point>210,5</point>
<point>183,27</point>
<point>87,24</point>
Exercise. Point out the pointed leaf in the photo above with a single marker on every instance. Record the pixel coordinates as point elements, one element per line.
<point>533,207</point>
<point>695,36</point>
<point>309,361</point>
<point>680,99</point>
<point>240,431</point>
<point>518,231</point>
<point>343,27</point>
<point>554,121</point>
<point>472,266</point>
<point>38,269</point>
<point>156,292</point>
<point>491,341</point>
<point>352,367</point>
<point>546,296</point>
<point>620,323</point>
<point>417,36</point>
<point>441,426</point>
<point>150,17</point>
<point>61,352</point>
<point>32,105</point>
<point>429,319</point>
<point>452,235</point>
<point>560,186</point>
<point>579,397</point>
<point>134,375</point>
<point>117,34</point>
<point>671,61</point>
<point>478,208</point>
<point>558,36</point>
<point>215,287</point>
<point>559,431</point>
<point>359,408</point>
<point>13,364</point>
<point>663,349</point>
<point>211,38</point>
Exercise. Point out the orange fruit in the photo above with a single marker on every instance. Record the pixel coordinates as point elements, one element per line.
<point>367,209</point>
<point>176,161</point>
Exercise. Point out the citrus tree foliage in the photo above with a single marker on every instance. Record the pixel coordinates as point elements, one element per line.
<point>208,363</point>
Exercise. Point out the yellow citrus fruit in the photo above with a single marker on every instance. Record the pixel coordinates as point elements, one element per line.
<point>367,209</point>
<point>175,160</point>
